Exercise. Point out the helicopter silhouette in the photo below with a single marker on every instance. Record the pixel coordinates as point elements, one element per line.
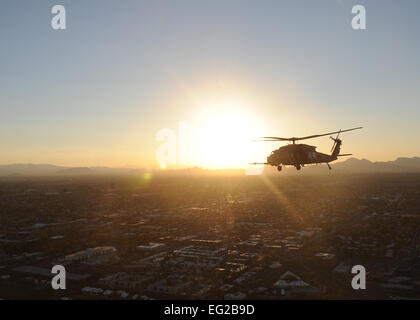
<point>298,155</point>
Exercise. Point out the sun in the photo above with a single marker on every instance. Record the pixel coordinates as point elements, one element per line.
<point>223,133</point>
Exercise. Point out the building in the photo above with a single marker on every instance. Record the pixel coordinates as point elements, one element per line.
<point>291,284</point>
<point>151,246</point>
<point>93,255</point>
<point>197,257</point>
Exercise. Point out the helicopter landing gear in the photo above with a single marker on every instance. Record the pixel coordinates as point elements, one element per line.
<point>298,167</point>
<point>279,168</point>
<point>329,167</point>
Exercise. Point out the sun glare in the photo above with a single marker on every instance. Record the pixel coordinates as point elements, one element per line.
<point>223,133</point>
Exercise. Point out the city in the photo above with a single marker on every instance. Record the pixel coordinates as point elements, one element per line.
<point>157,236</point>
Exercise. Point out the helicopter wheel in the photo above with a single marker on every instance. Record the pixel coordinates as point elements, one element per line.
<point>279,168</point>
<point>298,167</point>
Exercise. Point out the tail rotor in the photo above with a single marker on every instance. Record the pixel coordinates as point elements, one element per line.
<point>335,140</point>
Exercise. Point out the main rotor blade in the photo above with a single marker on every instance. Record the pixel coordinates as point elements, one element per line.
<point>303,138</point>
<point>276,139</point>
<point>326,134</point>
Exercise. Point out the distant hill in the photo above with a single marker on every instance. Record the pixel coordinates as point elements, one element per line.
<point>17,170</point>
<point>75,171</point>
<point>29,169</point>
<point>399,165</point>
<point>351,165</point>
<point>200,171</point>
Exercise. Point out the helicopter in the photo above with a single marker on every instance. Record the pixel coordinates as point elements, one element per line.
<point>298,155</point>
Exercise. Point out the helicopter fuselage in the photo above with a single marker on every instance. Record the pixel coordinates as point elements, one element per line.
<point>298,155</point>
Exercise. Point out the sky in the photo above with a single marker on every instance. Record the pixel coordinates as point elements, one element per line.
<point>97,93</point>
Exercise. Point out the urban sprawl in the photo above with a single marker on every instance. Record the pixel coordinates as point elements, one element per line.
<point>210,237</point>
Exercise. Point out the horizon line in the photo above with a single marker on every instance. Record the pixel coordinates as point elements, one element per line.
<point>156,167</point>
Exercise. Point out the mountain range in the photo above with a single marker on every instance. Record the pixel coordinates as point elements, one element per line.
<point>53,170</point>
<point>351,165</point>
<point>354,165</point>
